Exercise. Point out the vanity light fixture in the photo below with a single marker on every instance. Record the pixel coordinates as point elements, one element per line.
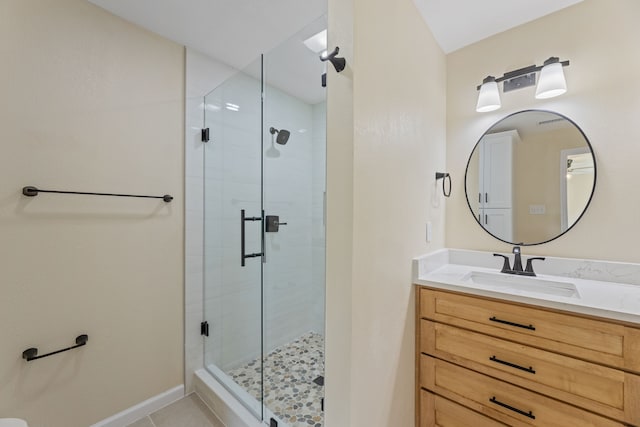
<point>489,97</point>
<point>552,83</point>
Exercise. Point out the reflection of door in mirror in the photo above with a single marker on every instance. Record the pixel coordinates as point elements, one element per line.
<point>576,182</point>
<point>513,184</point>
<point>495,181</point>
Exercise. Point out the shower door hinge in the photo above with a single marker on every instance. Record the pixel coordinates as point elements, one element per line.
<point>204,328</point>
<point>204,133</point>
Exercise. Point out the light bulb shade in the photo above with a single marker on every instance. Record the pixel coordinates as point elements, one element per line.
<point>489,97</point>
<point>552,82</point>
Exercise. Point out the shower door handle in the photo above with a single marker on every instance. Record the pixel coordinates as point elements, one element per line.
<point>244,256</point>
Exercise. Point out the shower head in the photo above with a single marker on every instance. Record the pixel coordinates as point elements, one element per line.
<point>282,137</point>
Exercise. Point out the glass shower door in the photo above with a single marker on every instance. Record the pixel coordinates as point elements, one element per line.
<point>233,235</point>
<point>294,134</point>
<point>264,262</point>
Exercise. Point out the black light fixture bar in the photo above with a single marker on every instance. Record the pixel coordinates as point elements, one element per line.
<point>32,191</point>
<point>527,70</point>
<point>517,73</point>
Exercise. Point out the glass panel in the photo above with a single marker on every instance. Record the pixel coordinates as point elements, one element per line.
<point>267,156</point>
<point>232,183</point>
<point>294,133</point>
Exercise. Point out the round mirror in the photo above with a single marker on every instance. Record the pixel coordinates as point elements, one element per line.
<point>530,177</point>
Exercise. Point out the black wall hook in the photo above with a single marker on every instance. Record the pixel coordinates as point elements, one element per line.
<point>444,176</point>
<point>338,63</point>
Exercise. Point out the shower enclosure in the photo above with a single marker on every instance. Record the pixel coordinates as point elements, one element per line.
<point>264,192</point>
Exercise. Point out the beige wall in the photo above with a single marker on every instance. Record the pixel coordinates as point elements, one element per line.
<point>536,162</point>
<point>89,102</point>
<point>398,145</point>
<point>339,218</point>
<point>600,39</point>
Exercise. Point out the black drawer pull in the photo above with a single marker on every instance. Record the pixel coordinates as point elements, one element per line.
<point>511,408</point>
<point>513,365</point>
<point>517,325</point>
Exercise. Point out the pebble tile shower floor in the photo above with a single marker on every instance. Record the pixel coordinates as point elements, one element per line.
<point>289,371</point>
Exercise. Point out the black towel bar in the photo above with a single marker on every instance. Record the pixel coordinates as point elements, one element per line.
<point>32,353</point>
<point>32,191</point>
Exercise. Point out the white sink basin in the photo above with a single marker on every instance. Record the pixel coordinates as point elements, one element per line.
<point>522,283</point>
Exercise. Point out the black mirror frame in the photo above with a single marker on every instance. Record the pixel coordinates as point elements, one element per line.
<point>595,177</point>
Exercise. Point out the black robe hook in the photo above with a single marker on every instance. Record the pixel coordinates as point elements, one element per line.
<point>338,63</point>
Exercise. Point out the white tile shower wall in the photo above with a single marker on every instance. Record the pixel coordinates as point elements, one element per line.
<point>294,272</point>
<point>202,75</point>
<point>232,182</point>
<point>232,293</point>
<point>288,189</point>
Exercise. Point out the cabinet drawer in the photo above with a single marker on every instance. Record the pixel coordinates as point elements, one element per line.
<point>507,403</point>
<point>436,411</point>
<point>590,339</point>
<point>604,390</point>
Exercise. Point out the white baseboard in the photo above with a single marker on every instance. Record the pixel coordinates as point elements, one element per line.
<point>141,410</point>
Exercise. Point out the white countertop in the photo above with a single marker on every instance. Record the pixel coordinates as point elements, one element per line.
<point>605,289</point>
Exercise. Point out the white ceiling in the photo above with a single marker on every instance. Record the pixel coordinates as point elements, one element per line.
<point>236,32</point>
<point>233,31</point>
<point>459,23</point>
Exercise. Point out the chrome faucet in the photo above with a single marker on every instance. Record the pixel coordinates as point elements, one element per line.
<point>517,263</point>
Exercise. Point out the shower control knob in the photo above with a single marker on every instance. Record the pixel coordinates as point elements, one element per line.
<point>272,224</point>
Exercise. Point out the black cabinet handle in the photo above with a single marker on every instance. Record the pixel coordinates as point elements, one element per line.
<point>512,365</point>
<point>511,408</point>
<point>517,325</point>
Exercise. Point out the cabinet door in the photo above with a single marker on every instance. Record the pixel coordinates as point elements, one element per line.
<point>496,170</point>
<point>498,222</point>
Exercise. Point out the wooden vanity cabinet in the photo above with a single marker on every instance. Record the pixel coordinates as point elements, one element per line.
<point>441,412</point>
<point>499,363</point>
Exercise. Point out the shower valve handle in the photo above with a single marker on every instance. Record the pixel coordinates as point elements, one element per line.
<point>272,223</point>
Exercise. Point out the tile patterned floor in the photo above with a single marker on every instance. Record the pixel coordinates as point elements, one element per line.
<point>189,411</point>
<point>289,390</point>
